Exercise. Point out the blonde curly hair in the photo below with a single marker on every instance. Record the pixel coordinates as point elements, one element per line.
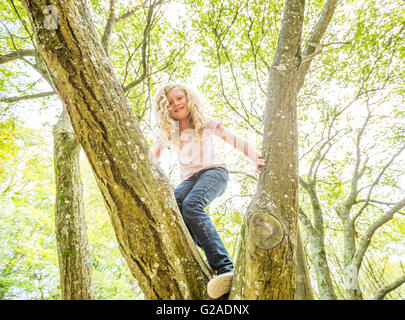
<point>165,123</point>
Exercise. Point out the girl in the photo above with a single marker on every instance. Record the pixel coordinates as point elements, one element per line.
<point>181,121</point>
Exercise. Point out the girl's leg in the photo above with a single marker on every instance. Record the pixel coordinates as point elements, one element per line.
<point>182,190</point>
<point>180,193</point>
<point>211,183</point>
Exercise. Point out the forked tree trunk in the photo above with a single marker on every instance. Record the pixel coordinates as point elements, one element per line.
<point>265,267</point>
<point>150,231</point>
<point>75,266</point>
<point>149,228</point>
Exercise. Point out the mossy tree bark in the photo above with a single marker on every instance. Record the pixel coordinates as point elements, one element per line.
<point>266,263</point>
<point>265,267</point>
<point>70,225</point>
<point>267,259</point>
<point>71,232</point>
<point>150,231</point>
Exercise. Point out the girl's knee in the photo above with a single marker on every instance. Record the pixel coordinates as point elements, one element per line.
<point>179,198</point>
<point>187,206</point>
<point>192,207</point>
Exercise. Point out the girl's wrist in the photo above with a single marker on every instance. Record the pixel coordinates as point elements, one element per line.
<point>253,155</point>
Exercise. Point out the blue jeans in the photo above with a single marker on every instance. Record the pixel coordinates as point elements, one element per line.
<point>192,196</point>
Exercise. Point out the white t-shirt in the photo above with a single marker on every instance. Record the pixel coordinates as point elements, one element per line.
<point>197,153</point>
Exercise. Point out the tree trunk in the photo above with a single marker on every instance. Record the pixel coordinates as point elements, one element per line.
<point>351,270</point>
<point>71,232</point>
<point>265,267</point>
<point>315,233</point>
<point>303,284</point>
<point>150,230</point>
<point>71,236</point>
<point>321,267</point>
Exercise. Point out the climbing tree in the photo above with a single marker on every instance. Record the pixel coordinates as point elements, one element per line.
<point>149,229</point>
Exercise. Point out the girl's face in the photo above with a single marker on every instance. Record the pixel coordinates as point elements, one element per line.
<point>177,99</point>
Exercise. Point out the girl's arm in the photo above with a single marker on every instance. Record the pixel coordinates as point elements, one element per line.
<point>241,145</point>
<point>160,143</point>
<point>157,150</point>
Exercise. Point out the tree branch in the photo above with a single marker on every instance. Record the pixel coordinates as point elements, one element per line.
<point>135,9</point>
<point>108,28</point>
<point>305,222</point>
<point>319,50</point>
<point>312,46</point>
<point>27,97</point>
<point>366,238</point>
<point>380,294</point>
<point>18,54</point>
<point>146,34</point>
<point>351,200</point>
<point>113,20</point>
<point>127,14</point>
<point>316,206</point>
<point>243,173</point>
<point>219,36</point>
<point>375,182</point>
<point>375,201</point>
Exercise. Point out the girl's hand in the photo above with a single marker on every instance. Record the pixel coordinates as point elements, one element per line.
<point>259,163</point>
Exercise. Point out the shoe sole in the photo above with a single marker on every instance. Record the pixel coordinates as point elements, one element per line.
<point>219,285</point>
